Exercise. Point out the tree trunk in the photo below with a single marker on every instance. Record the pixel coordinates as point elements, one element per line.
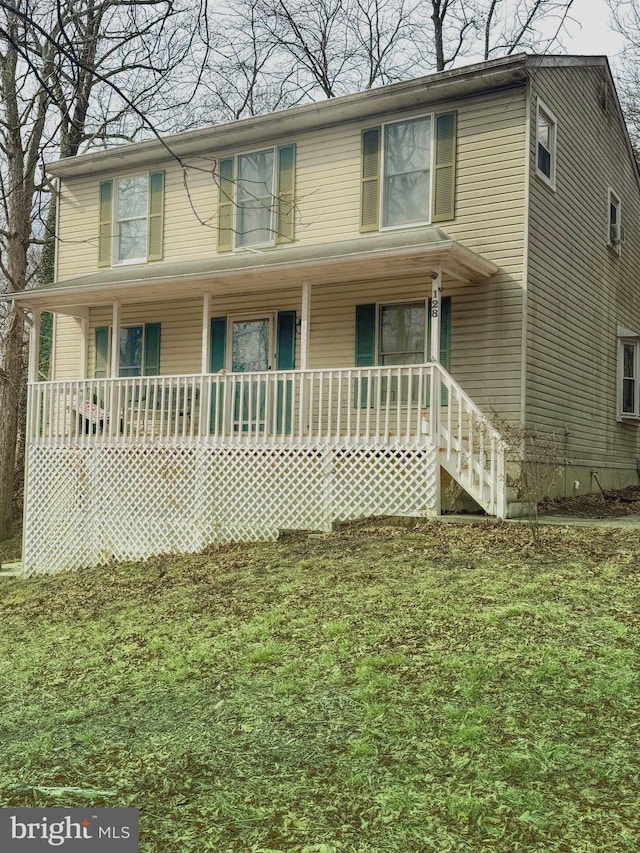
<point>438,26</point>
<point>11,373</point>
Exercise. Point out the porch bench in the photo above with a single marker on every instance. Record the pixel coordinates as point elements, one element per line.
<point>90,417</point>
<point>149,408</point>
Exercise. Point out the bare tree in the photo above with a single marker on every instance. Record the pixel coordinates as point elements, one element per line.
<point>332,47</point>
<point>625,20</point>
<point>55,60</point>
<point>523,25</point>
<point>244,75</point>
<point>489,28</point>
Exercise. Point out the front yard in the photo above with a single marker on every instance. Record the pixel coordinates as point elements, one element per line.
<point>441,688</point>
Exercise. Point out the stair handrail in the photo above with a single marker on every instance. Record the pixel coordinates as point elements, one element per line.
<point>495,469</point>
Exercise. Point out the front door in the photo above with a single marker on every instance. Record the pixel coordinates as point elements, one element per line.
<point>251,350</point>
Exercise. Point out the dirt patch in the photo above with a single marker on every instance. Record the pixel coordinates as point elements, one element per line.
<point>607,505</point>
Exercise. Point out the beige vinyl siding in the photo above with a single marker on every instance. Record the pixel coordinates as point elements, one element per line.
<point>485,332</point>
<point>578,288</point>
<point>181,334</point>
<point>490,144</point>
<point>490,191</point>
<point>481,345</point>
<point>67,349</point>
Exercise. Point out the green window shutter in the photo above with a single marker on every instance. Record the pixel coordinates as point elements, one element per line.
<point>365,335</point>
<point>286,354</point>
<point>285,360</point>
<point>370,191</point>
<point>225,204</point>
<point>218,344</point>
<point>152,349</point>
<point>217,352</point>
<point>444,178</point>
<point>156,217</point>
<point>365,347</point>
<point>102,352</point>
<point>285,203</point>
<point>105,224</point>
<point>445,333</point>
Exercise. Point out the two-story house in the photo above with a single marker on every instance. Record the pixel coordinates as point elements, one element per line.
<point>309,316</point>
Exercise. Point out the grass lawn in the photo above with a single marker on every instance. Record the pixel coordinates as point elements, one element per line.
<point>445,688</point>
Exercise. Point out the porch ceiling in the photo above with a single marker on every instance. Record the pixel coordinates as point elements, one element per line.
<point>394,253</point>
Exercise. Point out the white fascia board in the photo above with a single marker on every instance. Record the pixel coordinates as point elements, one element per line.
<point>422,91</point>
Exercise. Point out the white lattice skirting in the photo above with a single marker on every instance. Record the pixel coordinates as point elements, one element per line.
<point>88,505</point>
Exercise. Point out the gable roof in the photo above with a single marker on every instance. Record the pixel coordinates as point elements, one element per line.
<point>423,91</point>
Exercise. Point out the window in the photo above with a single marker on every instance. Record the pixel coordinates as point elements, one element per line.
<point>131,214</point>
<point>402,333</point>
<point>408,172</point>
<point>130,355</point>
<point>546,144</point>
<point>615,231</point>
<point>131,219</point>
<point>256,198</point>
<point>406,189</point>
<point>399,333</point>
<point>138,353</point>
<point>396,334</point>
<point>628,372</point>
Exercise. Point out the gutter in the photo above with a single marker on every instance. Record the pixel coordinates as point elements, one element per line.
<point>422,91</point>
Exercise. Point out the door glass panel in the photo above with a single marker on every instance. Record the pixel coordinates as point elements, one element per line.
<point>250,345</point>
<point>250,352</point>
<point>131,351</point>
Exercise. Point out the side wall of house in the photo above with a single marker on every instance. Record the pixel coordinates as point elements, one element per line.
<point>67,348</point>
<point>579,288</point>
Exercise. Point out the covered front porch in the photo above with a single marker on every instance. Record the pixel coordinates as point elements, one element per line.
<point>126,459</point>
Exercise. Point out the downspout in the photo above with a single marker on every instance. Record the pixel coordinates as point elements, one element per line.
<point>525,260</point>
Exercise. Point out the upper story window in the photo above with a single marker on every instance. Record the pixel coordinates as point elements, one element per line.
<point>546,127</point>
<point>615,231</point>
<point>131,226</point>
<point>408,172</point>
<point>255,192</point>
<point>406,188</point>
<point>132,208</point>
<point>256,202</point>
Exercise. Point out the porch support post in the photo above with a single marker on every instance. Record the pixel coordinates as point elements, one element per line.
<point>436,303</point>
<point>206,327</point>
<point>205,365</point>
<point>84,346</point>
<point>115,342</point>
<point>304,326</point>
<point>34,345</point>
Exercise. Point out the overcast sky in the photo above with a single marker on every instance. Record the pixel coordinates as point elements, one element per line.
<point>589,31</point>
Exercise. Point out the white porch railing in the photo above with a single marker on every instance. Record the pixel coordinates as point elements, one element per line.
<point>409,405</point>
<point>366,405</point>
